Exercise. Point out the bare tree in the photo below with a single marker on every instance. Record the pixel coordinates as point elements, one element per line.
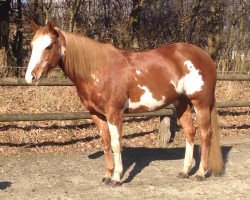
<point>4,32</point>
<point>134,22</point>
<point>219,26</point>
<point>17,44</point>
<point>235,37</point>
<point>46,7</point>
<point>73,7</point>
<point>215,27</point>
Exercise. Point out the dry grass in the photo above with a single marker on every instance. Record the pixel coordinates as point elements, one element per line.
<point>39,99</point>
<point>61,136</point>
<point>233,90</point>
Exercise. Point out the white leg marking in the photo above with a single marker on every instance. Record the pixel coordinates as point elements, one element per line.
<point>39,46</point>
<point>146,100</point>
<point>115,144</point>
<point>201,171</point>
<point>191,82</point>
<point>188,157</point>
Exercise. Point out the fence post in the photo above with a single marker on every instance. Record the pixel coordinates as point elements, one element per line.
<point>164,132</point>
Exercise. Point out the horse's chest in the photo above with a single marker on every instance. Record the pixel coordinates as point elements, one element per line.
<point>92,99</point>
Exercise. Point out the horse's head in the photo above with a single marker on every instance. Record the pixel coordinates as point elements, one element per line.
<point>46,52</point>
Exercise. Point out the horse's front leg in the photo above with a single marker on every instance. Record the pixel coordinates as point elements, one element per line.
<point>102,125</point>
<point>114,119</point>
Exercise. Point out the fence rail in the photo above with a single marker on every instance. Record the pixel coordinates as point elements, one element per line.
<point>71,115</point>
<point>233,77</point>
<point>67,82</point>
<point>166,114</point>
<point>85,115</point>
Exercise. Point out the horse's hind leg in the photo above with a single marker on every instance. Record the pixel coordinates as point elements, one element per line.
<point>183,111</point>
<point>204,121</point>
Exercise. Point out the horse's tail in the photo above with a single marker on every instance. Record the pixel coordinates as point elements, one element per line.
<point>215,154</point>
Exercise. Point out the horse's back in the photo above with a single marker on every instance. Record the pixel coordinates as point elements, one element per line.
<point>188,57</point>
<point>160,75</point>
<point>174,61</point>
<point>175,54</point>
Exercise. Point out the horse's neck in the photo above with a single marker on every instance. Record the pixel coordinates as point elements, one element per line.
<point>62,63</point>
<point>84,56</point>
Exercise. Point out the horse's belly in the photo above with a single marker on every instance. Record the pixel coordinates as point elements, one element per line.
<point>146,101</point>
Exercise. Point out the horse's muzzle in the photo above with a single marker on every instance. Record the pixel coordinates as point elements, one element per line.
<point>34,78</point>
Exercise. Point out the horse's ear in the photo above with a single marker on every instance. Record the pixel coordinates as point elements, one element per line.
<point>34,26</point>
<point>52,29</point>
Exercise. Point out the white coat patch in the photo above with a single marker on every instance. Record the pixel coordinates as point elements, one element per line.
<point>95,79</point>
<point>146,100</point>
<point>39,46</point>
<point>138,72</point>
<point>191,82</point>
<point>63,49</point>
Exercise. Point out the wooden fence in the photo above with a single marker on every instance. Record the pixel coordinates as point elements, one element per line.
<point>85,115</point>
<point>67,82</point>
<point>166,115</point>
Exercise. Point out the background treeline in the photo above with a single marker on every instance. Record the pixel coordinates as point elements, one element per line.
<point>219,26</point>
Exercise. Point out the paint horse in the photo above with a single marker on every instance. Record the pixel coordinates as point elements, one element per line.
<point>110,81</point>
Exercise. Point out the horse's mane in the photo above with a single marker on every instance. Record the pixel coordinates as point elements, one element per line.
<point>83,56</point>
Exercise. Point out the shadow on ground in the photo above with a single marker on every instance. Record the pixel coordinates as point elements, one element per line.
<point>141,157</point>
<point>4,185</point>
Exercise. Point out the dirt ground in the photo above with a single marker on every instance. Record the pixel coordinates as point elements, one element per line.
<point>150,173</point>
<point>63,159</point>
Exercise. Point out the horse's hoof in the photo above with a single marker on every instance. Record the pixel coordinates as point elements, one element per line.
<point>115,183</point>
<point>199,178</point>
<point>183,175</point>
<point>106,180</point>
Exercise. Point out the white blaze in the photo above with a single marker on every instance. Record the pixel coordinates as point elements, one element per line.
<point>39,46</point>
<point>191,82</point>
<point>146,100</point>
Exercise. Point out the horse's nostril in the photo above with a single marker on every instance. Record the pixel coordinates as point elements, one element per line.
<point>33,78</point>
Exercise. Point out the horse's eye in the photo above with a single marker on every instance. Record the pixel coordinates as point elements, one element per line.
<point>49,47</point>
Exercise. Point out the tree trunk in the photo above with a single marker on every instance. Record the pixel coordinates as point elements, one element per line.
<point>19,39</point>
<point>194,19</point>
<point>73,9</point>
<point>134,22</point>
<point>71,21</point>
<point>215,27</point>
<point>4,32</point>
